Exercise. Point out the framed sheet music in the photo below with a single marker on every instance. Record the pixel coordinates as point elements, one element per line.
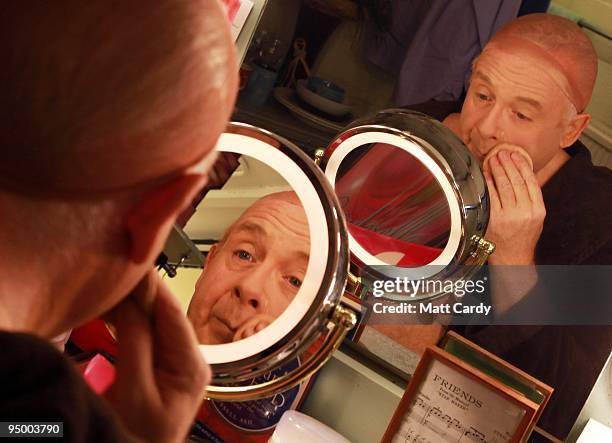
<point>449,400</point>
<point>500,370</point>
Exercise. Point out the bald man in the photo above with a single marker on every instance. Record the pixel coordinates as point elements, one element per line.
<point>254,272</point>
<point>109,115</point>
<point>527,96</point>
<point>530,88</point>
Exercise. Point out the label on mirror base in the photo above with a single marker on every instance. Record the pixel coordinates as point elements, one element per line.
<point>264,414</point>
<point>253,421</point>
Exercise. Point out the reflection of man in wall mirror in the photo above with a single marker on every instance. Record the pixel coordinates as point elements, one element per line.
<point>254,272</point>
<point>529,89</point>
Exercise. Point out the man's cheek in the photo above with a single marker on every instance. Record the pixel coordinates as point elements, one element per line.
<point>215,306</point>
<point>282,302</point>
<point>469,136</point>
<point>466,123</point>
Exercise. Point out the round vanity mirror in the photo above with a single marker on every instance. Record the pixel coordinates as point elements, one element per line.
<point>259,262</point>
<point>414,198</point>
<point>397,212</point>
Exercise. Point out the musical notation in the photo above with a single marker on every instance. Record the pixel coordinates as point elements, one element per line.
<point>452,407</point>
<point>426,423</point>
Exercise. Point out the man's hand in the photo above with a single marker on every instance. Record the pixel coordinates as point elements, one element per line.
<point>161,375</point>
<point>253,326</point>
<point>517,209</point>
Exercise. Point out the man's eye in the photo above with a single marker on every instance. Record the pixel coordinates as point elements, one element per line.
<point>243,255</point>
<point>483,97</point>
<point>522,116</point>
<point>294,281</point>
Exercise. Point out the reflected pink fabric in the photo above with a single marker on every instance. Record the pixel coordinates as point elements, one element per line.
<point>390,192</point>
<point>375,243</point>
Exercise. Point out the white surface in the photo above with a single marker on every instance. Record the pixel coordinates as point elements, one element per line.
<point>595,432</point>
<point>416,151</point>
<point>244,39</point>
<point>599,403</point>
<point>241,17</point>
<point>295,427</point>
<point>319,236</point>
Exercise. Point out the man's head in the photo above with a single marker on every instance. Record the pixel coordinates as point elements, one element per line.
<point>254,272</point>
<point>530,87</point>
<point>110,111</point>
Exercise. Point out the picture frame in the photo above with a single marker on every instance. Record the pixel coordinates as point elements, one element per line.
<point>501,370</point>
<point>461,393</point>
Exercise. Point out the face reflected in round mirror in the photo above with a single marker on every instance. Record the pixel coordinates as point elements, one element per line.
<point>396,209</point>
<point>255,237</point>
<point>248,260</point>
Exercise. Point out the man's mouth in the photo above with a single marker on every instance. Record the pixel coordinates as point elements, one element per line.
<point>224,329</point>
<point>474,149</point>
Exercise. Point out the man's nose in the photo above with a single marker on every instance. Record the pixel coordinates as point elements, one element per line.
<point>252,289</point>
<point>490,127</point>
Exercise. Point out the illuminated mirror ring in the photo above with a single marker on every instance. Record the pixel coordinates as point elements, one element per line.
<point>298,308</point>
<point>411,147</point>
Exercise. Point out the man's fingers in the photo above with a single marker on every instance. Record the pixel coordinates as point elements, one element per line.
<point>532,185</point>
<point>144,293</point>
<point>243,333</point>
<point>516,178</point>
<point>495,203</point>
<point>253,325</point>
<point>176,347</point>
<point>135,349</point>
<point>502,184</point>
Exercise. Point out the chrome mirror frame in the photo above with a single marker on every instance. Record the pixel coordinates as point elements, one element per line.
<point>233,381</point>
<point>454,164</point>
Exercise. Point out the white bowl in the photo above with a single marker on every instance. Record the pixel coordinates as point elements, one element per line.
<point>295,427</point>
<point>321,103</point>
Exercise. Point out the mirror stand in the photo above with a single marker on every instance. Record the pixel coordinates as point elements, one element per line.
<point>342,321</point>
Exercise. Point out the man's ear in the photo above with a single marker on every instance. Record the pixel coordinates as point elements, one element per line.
<point>209,256</point>
<point>150,220</point>
<point>211,253</point>
<point>574,129</point>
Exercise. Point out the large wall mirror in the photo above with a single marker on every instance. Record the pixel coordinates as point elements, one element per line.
<point>266,246</point>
